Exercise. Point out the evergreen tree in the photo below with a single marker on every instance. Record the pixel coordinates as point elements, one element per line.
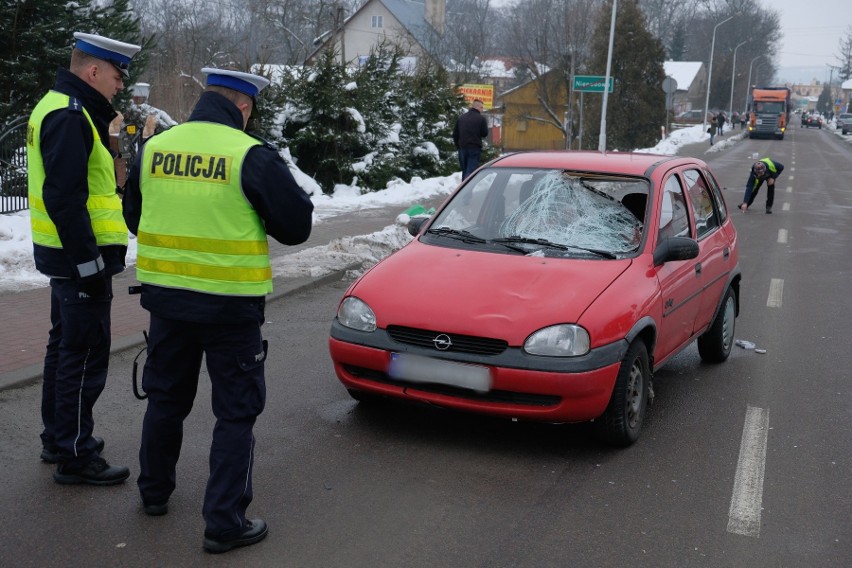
<point>373,124</point>
<point>678,45</point>
<point>321,133</point>
<point>636,108</point>
<point>36,41</point>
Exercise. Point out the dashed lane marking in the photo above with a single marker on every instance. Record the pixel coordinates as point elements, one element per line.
<point>776,291</point>
<point>785,207</point>
<point>747,498</point>
<point>789,189</point>
<point>782,235</point>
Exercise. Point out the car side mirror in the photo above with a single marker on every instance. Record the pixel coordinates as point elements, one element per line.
<point>675,248</point>
<point>415,224</point>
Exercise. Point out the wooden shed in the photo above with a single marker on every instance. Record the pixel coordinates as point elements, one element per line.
<point>526,124</point>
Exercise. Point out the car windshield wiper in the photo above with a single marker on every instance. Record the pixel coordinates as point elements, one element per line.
<point>551,244</point>
<point>463,235</point>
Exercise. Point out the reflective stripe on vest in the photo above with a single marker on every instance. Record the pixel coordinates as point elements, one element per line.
<point>197,230</point>
<point>770,166</point>
<point>103,204</point>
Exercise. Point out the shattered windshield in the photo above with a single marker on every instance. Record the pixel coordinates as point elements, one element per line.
<point>549,212</point>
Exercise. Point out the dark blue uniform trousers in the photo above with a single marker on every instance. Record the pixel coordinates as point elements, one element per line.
<point>75,369</point>
<point>235,360</point>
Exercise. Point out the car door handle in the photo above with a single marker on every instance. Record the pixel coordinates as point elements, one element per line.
<point>698,269</point>
<point>726,253</point>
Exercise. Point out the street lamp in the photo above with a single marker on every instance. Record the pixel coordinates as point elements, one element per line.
<point>733,71</point>
<point>710,71</point>
<point>602,137</point>
<point>748,85</point>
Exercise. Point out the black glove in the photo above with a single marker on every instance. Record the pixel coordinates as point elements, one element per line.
<point>95,286</point>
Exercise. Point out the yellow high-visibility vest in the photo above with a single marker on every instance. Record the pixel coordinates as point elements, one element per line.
<point>197,230</point>
<point>103,204</point>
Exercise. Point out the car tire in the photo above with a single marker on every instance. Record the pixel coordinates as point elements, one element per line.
<point>715,344</point>
<point>621,422</point>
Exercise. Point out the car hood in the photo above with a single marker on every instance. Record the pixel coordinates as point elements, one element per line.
<point>482,293</point>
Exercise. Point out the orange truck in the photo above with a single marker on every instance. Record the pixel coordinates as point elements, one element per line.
<point>769,112</point>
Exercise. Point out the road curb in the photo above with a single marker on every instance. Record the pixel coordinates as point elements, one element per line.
<point>283,287</point>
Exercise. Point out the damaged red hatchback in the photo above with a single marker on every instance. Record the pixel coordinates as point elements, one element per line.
<point>548,287</point>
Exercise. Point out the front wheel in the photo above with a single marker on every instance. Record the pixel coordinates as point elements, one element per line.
<point>714,345</point>
<point>621,422</point>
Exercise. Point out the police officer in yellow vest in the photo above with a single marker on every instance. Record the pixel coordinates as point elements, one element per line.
<point>79,241</point>
<point>202,198</point>
<point>765,169</point>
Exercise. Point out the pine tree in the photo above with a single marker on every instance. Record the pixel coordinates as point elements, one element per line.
<point>36,41</point>
<point>636,108</point>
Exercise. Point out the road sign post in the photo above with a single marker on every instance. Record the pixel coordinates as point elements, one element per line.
<point>588,84</point>
<point>591,83</point>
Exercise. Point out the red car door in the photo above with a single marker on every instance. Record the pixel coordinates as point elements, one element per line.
<point>680,281</point>
<point>714,256</point>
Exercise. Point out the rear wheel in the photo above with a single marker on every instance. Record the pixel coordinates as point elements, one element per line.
<point>621,422</point>
<point>714,345</point>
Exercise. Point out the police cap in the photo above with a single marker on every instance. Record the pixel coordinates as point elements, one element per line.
<point>246,83</point>
<point>113,51</point>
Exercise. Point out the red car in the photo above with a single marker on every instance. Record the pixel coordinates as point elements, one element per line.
<point>548,287</point>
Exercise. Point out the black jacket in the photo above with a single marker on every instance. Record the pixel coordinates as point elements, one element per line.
<point>66,143</point>
<point>268,185</point>
<point>470,129</point>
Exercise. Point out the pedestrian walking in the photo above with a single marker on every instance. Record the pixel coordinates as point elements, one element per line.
<point>80,242</point>
<point>720,122</point>
<point>765,169</point>
<point>711,130</point>
<point>468,133</point>
<point>202,198</point>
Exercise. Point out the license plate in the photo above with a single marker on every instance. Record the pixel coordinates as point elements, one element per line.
<point>420,369</point>
<point>758,121</point>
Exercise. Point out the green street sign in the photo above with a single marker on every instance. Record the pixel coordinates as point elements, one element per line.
<point>590,83</point>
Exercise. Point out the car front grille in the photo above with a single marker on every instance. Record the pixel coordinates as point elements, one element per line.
<point>457,343</point>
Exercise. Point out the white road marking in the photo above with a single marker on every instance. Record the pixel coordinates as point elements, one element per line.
<point>776,290</point>
<point>747,498</point>
<point>785,207</point>
<point>789,189</point>
<point>782,235</point>
<point>792,178</point>
<point>792,169</point>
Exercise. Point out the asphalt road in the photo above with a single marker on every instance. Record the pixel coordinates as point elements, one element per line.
<point>741,464</point>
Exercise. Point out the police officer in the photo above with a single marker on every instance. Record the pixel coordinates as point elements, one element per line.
<point>79,241</point>
<point>766,170</point>
<point>201,199</point>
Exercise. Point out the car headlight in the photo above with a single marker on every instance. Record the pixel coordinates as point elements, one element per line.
<point>564,340</point>
<point>356,314</point>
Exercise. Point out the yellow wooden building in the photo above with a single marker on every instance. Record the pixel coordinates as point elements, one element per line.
<point>526,125</point>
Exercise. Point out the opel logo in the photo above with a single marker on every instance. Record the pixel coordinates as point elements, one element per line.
<point>442,342</point>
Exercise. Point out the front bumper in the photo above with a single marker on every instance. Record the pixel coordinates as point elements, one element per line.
<point>526,387</point>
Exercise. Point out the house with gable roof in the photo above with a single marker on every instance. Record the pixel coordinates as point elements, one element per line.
<point>413,24</point>
<point>691,77</point>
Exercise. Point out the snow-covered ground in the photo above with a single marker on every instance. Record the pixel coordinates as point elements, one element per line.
<point>17,271</point>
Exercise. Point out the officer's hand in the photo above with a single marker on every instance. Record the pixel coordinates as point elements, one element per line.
<point>95,286</point>
<point>770,181</point>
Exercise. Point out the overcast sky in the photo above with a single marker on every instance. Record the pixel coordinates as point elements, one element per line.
<point>812,31</point>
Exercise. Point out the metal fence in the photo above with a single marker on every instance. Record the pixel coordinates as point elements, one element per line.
<point>13,166</point>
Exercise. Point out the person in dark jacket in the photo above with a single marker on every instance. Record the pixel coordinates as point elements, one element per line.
<point>766,170</point>
<point>202,198</point>
<point>79,241</point>
<point>468,133</point>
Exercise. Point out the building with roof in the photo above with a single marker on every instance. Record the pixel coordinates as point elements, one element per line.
<point>414,25</point>
<point>691,77</point>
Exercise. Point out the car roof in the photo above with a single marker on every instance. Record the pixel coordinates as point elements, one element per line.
<point>626,163</point>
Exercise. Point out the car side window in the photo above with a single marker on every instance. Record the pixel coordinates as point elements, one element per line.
<point>674,217</point>
<point>706,218</point>
<point>718,198</point>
